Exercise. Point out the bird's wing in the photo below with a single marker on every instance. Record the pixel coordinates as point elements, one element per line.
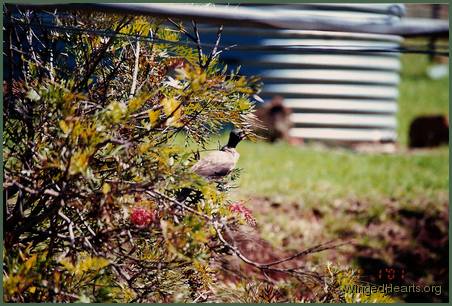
<point>217,163</point>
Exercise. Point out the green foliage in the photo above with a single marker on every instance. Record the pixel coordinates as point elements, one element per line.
<point>22,266</point>
<point>89,138</point>
<point>344,279</point>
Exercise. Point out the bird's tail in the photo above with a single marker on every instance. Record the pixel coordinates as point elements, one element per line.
<point>188,195</point>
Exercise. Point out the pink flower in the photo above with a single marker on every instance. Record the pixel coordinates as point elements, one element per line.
<point>240,209</point>
<point>142,217</point>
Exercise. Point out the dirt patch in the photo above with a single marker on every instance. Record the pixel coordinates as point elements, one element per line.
<point>403,246</point>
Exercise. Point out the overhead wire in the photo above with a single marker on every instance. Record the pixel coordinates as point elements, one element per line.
<point>416,49</point>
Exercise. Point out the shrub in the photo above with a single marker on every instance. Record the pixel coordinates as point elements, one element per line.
<point>90,163</point>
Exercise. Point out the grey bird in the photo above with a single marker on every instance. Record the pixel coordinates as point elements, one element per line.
<point>220,163</point>
<point>214,166</point>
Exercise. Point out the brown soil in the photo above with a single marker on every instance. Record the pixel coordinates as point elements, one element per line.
<point>408,247</point>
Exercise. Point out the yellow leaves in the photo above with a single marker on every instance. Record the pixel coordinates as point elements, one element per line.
<point>57,280</point>
<point>137,179</point>
<point>198,80</point>
<point>128,294</point>
<point>106,188</point>
<point>196,76</point>
<point>153,116</point>
<point>167,34</point>
<point>21,273</point>
<point>348,278</point>
<point>85,264</point>
<point>71,97</point>
<point>80,160</point>
<point>204,272</point>
<point>144,147</point>
<point>30,262</point>
<point>116,111</point>
<point>15,284</point>
<point>123,293</point>
<point>68,101</point>
<point>64,127</point>
<point>86,132</point>
<point>148,204</point>
<point>96,42</point>
<point>137,102</point>
<point>91,263</point>
<point>173,111</point>
<point>241,85</point>
<point>169,105</point>
<point>139,26</point>
<point>200,237</point>
<point>210,193</point>
<point>243,104</point>
<point>67,126</point>
<point>81,273</point>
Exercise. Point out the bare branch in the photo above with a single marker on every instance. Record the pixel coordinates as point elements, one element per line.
<point>214,52</point>
<point>315,249</point>
<point>70,226</point>
<point>157,194</point>
<point>181,29</point>
<point>135,69</point>
<point>198,43</point>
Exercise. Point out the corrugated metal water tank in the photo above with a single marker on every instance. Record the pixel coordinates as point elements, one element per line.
<point>337,84</point>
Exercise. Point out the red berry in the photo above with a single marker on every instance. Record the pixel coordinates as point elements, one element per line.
<point>141,217</point>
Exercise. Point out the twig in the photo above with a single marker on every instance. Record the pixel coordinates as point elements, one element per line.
<point>198,43</point>
<point>135,70</point>
<point>93,63</point>
<point>84,222</point>
<point>234,248</point>
<point>154,194</point>
<point>262,267</point>
<point>181,29</point>
<point>321,247</point>
<point>70,226</point>
<point>214,53</point>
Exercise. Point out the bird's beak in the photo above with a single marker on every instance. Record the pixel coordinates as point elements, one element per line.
<point>242,135</point>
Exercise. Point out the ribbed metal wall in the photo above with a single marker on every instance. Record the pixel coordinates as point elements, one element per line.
<point>339,95</point>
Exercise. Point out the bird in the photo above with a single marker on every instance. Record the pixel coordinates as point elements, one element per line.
<point>214,166</point>
<point>220,163</point>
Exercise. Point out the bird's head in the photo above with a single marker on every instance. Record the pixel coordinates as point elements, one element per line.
<point>238,133</point>
<point>235,137</point>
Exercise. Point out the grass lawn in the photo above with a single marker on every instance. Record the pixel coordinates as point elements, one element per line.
<point>315,175</point>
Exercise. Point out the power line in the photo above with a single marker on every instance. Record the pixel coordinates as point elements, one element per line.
<point>419,49</point>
